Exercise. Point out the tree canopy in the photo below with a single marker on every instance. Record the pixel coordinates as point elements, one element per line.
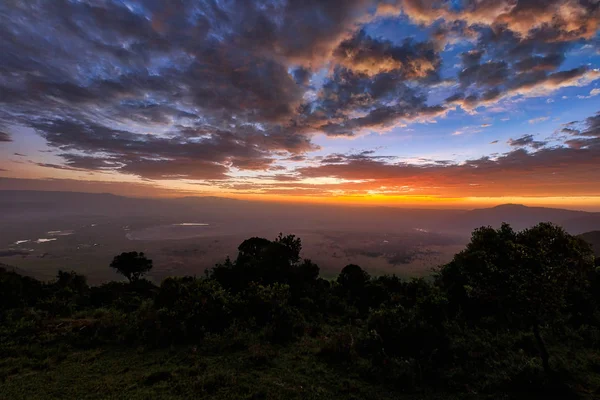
<point>132,265</point>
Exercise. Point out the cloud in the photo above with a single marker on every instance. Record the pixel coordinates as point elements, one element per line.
<point>585,134</point>
<point>201,89</point>
<point>548,171</point>
<point>538,120</point>
<point>526,141</point>
<point>516,173</point>
<point>593,92</point>
<point>124,188</point>
<point>364,54</point>
<point>470,129</point>
<point>5,137</point>
<point>204,89</point>
<point>552,20</point>
<point>194,154</point>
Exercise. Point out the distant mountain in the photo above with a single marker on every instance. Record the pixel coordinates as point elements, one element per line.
<point>18,206</point>
<point>593,238</point>
<point>521,217</point>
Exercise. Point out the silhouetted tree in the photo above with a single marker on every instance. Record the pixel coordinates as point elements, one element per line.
<point>132,265</point>
<point>353,282</point>
<point>524,278</point>
<point>293,244</point>
<point>353,277</point>
<point>266,262</point>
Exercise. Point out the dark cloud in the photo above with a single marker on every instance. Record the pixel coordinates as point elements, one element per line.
<point>484,84</point>
<point>297,158</point>
<point>527,141</point>
<point>487,74</point>
<point>303,31</point>
<point>203,85</point>
<point>301,75</point>
<point>585,134</point>
<point>545,63</point>
<point>548,20</point>
<point>156,157</point>
<point>383,100</point>
<point>510,58</point>
<point>364,54</point>
<point>5,137</point>
<point>197,89</point>
<point>471,58</point>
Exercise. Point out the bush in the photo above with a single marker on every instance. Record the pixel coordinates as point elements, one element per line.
<point>190,307</point>
<point>339,347</point>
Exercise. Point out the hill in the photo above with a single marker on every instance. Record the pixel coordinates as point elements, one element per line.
<point>521,217</point>
<point>265,325</point>
<point>593,238</point>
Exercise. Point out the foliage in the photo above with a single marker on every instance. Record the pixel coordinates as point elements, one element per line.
<point>132,265</point>
<point>514,315</point>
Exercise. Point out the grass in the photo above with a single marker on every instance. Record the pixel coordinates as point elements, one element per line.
<point>261,372</point>
<point>222,370</point>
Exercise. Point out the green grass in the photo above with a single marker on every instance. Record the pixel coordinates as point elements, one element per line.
<point>262,371</point>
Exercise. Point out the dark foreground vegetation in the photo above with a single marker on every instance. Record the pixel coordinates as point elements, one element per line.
<point>514,315</point>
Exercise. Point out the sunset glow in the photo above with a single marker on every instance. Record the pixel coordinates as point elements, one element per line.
<point>457,104</point>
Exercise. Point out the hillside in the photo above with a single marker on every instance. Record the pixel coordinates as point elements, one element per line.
<point>265,325</point>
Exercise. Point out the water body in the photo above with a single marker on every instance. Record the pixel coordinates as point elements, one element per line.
<point>60,233</point>
<point>44,240</point>
<point>191,224</point>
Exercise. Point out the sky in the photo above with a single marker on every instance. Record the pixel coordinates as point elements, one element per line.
<point>430,103</point>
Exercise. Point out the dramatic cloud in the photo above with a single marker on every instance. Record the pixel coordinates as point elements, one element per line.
<point>209,91</point>
<point>364,54</point>
<point>553,20</point>
<point>548,171</point>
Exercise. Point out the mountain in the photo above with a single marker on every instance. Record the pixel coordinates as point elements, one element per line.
<point>592,238</point>
<point>521,217</point>
<point>18,206</point>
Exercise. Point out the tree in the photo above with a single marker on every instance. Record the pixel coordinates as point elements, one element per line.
<point>519,279</point>
<point>353,281</point>
<point>293,244</point>
<point>132,265</point>
<point>353,277</point>
<point>266,262</point>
